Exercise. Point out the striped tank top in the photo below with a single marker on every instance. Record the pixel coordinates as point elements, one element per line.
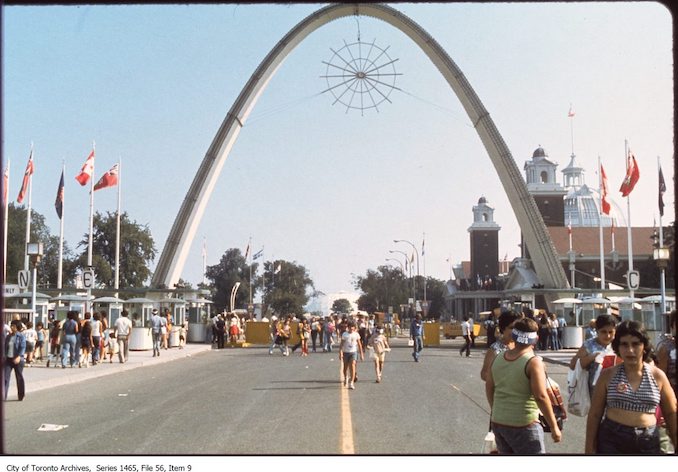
<point>620,394</point>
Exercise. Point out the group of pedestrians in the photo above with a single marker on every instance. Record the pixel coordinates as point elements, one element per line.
<point>355,335</point>
<point>633,399</point>
<point>226,326</point>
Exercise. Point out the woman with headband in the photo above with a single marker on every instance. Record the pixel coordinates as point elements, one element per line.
<point>516,391</point>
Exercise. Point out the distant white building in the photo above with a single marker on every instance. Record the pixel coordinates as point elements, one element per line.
<point>323,302</point>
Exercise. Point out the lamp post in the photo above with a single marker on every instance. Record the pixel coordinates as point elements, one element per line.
<point>34,251</point>
<point>402,267</point>
<point>417,254</point>
<point>661,256</point>
<point>414,292</point>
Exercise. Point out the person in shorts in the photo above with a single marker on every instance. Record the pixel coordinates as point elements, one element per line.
<point>379,344</point>
<point>349,349</point>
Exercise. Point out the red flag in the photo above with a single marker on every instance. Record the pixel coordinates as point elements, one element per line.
<point>109,179</point>
<point>632,176</point>
<point>27,177</point>
<point>605,203</point>
<point>87,170</point>
<point>5,184</point>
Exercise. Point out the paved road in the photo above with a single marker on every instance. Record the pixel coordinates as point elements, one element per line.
<point>244,401</point>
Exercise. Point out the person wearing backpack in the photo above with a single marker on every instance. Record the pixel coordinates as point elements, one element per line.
<point>516,391</point>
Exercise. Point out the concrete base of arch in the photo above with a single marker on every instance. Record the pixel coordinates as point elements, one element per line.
<point>537,239</point>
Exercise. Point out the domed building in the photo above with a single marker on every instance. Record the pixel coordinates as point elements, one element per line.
<point>582,203</point>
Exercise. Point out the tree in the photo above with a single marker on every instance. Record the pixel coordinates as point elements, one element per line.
<point>435,293</point>
<point>286,286</point>
<point>16,248</point>
<point>231,269</point>
<point>382,288</point>
<point>137,250</point>
<point>341,305</point>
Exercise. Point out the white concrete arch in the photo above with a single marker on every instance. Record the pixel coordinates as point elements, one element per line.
<point>538,241</point>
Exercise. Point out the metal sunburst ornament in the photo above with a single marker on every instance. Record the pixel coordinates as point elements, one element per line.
<point>360,76</point>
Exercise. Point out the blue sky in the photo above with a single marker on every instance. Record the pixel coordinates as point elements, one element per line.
<point>306,180</point>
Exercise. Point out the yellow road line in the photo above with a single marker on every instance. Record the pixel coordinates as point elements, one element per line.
<point>346,442</point>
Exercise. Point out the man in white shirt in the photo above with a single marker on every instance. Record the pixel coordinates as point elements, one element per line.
<point>348,353</point>
<point>466,333</point>
<point>123,330</point>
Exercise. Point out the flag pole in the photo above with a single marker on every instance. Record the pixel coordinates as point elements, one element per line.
<point>600,226</point>
<point>628,223</point>
<point>571,252</point>
<point>91,224</point>
<point>117,231</point>
<point>5,194</point>
<point>662,273</point>
<point>204,260</point>
<point>249,245</point>
<point>61,234</point>
<point>423,256</point>
<point>28,213</point>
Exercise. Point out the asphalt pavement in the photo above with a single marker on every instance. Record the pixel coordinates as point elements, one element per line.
<point>40,377</point>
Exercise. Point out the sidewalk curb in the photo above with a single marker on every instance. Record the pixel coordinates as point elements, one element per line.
<point>62,377</point>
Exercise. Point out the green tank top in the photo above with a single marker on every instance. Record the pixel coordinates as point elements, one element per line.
<point>514,404</point>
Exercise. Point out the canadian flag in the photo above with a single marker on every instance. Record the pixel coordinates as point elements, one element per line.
<point>26,180</point>
<point>605,205</point>
<point>632,176</point>
<point>109,179</point>
<point>87,170</point>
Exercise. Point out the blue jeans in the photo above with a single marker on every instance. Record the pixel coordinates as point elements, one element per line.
<point>68,349</point>
<point>418,346</point>
<point>157,340</point>
<point>18,374</point>
<point>96,343</point>
<point>519,440</point>
<point>615,438</point>
<point>328,342</point>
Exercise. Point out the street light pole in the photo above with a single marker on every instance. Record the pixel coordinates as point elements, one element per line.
<point>402,267</point>
<point>417,254</point>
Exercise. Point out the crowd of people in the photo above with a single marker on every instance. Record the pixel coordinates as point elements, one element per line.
<point>632,387</point>
<point>81,341</point>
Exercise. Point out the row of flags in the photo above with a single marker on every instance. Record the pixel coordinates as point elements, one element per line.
<point>628,184</point>
<point>109,179</point>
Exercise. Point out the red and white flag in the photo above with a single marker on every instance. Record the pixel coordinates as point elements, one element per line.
<point>605,202</point>
<point>87,170</point>
<point>109,179</point>
<point>570,113</point>
<point>27,178</point>
<point>632,175</point>
<point>5,184</point>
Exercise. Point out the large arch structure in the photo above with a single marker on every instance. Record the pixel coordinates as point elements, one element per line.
<point>538,241</point>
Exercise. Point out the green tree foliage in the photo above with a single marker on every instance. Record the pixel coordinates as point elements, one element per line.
<point>435,293</point>
<point>381,288</point>
<point>341,305</point>
<point>16,248</point>
<point>231,269</point>
<point>286,291</point>
<point>137,250</point>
